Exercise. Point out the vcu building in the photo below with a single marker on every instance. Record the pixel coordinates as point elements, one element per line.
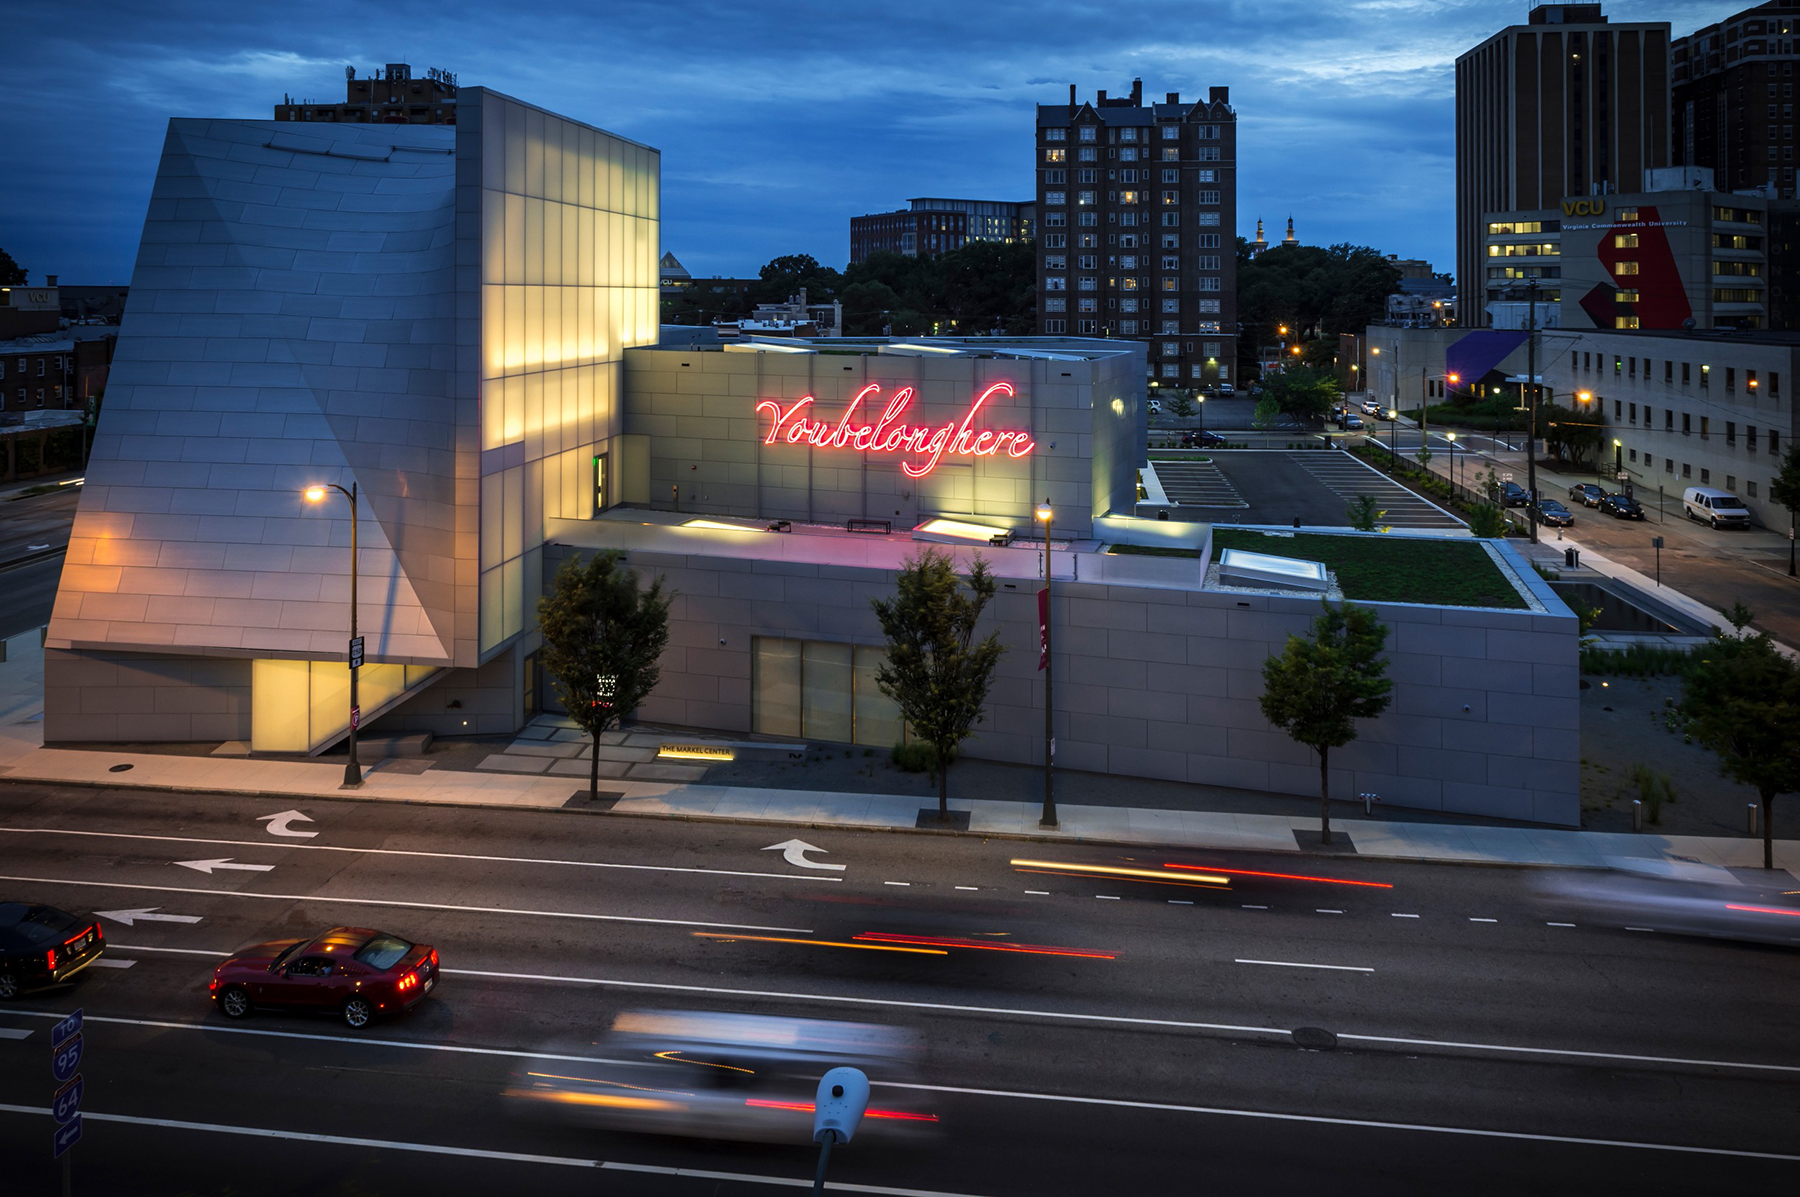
<point>1136,207</point>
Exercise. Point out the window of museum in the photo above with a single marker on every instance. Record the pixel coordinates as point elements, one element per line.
<point>821,691</point>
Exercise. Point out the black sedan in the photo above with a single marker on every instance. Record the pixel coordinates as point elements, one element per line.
<point>1588,494</point>
<point>41,945</point>
<point>1513,495</point>
<point>1621,507</point>
<point>1201,440</point>
<point>1553,514</point>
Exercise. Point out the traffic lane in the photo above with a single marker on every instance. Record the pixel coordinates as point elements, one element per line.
<point>1424,979</point>
<point>1007,1141</point>
<point>479,1021</point>
<point>30,594</point>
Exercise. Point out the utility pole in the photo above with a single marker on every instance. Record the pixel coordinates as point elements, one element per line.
<point>1424,413</point>
<point>1531,494</point>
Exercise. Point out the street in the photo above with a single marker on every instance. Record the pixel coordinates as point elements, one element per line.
<point>1481,1045</point>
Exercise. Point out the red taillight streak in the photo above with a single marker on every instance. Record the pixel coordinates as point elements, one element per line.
<point>1181,881</point>
<point>1764,910</point>
<point>1283,876</point>
<point>933,941</point>
<point>806,1107</point>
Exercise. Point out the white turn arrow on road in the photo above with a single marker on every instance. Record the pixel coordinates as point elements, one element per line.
<point>278,824</point>
<point>794,852</point>
<point>146,915</point>
<point>207,866</point>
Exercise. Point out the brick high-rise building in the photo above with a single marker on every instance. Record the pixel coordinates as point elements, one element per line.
<point>392,97</point>
<point>1733,109</point>
<point>1567,105</point>
<point>1137,207</point>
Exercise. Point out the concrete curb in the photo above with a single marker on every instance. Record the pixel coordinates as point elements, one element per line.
<point>32,558</point>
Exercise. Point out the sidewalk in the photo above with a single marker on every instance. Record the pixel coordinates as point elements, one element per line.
<point>24,758</point>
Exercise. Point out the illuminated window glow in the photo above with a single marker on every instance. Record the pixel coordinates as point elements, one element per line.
<point>979,532</point>
<point>926,445</point>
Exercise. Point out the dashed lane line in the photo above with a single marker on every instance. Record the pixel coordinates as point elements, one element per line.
<point>1337,968</point>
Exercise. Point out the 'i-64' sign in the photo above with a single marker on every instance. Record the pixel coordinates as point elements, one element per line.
<point>66,1048</point>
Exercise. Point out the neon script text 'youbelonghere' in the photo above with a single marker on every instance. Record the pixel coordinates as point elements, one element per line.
<point>924,445</point>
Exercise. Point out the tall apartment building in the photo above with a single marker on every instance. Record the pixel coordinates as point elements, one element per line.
<point>1567,105</point>
<point>390,97</point>
<point>1733,93</point>
<point>1137,207</point>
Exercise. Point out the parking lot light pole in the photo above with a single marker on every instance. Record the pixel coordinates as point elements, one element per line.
<point>316,494</point>
<point>1451,437</point>
<point>1393,439</point>
<point>1048,821</point>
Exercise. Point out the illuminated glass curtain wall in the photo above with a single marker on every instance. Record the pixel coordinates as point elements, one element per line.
<point>569,246</point>
<point>823,691</point>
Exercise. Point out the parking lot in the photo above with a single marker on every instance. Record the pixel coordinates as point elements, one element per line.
<point>1278,486</point>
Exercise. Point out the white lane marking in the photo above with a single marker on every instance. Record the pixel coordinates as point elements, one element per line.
<point>896,883</point>
<point>133,947</point>
<point>1640,928</point>
<point>1341,968</point>
<point>970,887</point>
<point>1484,920</point>
<point>794,852</point>
<point>344,900</point>
<point>108,962</point>
<point>1368,1123</point>
<point>1324,911</point>
<point>1402,916</point>
<point>1180,902</point>
<point>578,864</point>
<point>1042,893</point>
<point>1107,897</point>
<point>207,866</point>
<point>146,914</point>
<point>14,1033</point>
<point>511,1157</point>
<point>279,824</point>
<point>837,999</point>
<point>1559,924</point>
<point>1247,906</point>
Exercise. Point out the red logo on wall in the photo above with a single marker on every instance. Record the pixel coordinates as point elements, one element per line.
<point>923,445</point>
<point>1662,300</point>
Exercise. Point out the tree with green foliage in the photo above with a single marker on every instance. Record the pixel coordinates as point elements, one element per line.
<point>1302,393</point>
<point>1363,516</point>
<point>1320,684</point>
<point>1316,292</point>
<point>603,637</point>
<point>1568,435</point>
<point>936,672</point>
<point>1487,521</point>
<point>1741,698</point>
<point>1785,490</point>
<point>11,273</point>
<point>1182,405</point>
<point>1265,413</point>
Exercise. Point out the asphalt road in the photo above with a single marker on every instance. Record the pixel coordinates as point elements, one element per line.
<point>1480,1047</point>
<point>30,593</point>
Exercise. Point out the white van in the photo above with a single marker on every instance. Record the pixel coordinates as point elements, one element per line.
<point>1720,508</point>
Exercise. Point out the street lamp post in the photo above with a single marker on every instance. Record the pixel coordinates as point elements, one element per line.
<point>1048,821</point>
<point>1201,401</point>
<point>1451,437</point>
<point>1618,460</point>
<point>1393,438</point>
<point>1531,290</point>
<point>316,494</point>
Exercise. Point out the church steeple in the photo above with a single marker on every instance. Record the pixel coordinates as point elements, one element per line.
<point>1260,244</point>
<point>1289,239</point>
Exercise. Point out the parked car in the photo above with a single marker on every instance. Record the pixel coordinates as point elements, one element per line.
<point>1202,440</point>
<point>1371,408</point>
<point>41,945</point>
<point>1226,388</point>
<point>1588,494</point>
<point>351,972</point>
<point>1153,406</point>
<point>1621,507</point>
<point>1553,514</point>
<point>1351,422</point>
<point>1720,508</point>
<point>1513,495</point>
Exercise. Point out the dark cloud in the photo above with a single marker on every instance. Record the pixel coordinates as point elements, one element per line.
<point>776,125</point>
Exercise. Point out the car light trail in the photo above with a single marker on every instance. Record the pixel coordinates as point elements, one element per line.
<point>806,1107</point>
<point>1081,870</point>
<point>1764,910</point>
<point>945,942</point>
<point>820,943</point>
<point>1282,876</point>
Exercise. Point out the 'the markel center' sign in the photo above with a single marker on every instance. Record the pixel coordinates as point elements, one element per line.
<point>923,445</point>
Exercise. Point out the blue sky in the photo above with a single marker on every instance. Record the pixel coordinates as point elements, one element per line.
<point>777,122</point>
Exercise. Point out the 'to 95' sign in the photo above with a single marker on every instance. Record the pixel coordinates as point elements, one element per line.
<point>66,1048</point>
<point>923,445</point>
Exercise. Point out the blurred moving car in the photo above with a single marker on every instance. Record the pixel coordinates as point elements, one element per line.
<point>41,945</point>
<point>1553,514</point>
<point>1695,901</point>
<point>1588,494</point>
<point>720,1076</point>
<point>1620,507</point>
<point>1202,440</point>
<point>351,972</point>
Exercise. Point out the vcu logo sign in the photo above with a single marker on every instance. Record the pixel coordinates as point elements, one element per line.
<point>1584,207</point>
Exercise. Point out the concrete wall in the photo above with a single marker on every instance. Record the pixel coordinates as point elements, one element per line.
<point>129,698</point>
<point>1156,678</point>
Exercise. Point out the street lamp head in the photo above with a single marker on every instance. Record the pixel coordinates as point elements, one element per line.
<point>1453,378</point>
<point>1375,349</point>
<point>1617,442</point>
<point>1043,511</point>
<point>314,494</point>
<point>1585,396</point>
<point>1450,436</point>
<point>1393,414</point>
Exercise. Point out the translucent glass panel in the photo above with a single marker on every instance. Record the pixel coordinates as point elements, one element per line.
<point>822,691</point>
<point>296,706</point>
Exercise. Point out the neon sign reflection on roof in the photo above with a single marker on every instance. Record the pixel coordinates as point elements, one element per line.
<point>923,445</point>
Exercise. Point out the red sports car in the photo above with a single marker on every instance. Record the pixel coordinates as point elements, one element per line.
<point>352,972</point>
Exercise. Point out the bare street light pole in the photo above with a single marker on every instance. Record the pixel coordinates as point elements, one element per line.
<point>316,494</point>
<point>1048,821</point>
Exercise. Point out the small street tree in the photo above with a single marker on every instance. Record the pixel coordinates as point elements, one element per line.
<point>603,636</point>
<point>936,671</point>
<point>1741,698</point>
<point>1322,683</point>
<point>1785,490</point>
<point>1182,405</point>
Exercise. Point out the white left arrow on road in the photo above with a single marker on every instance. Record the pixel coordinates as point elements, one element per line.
<point>146,915</point>
<point>207,866</point>
<point>278,824</point>
<point>794,852</point>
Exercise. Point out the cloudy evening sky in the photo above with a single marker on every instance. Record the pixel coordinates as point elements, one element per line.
<point>777,122</point>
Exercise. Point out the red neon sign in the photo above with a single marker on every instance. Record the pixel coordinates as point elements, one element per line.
<point>925,444</point>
